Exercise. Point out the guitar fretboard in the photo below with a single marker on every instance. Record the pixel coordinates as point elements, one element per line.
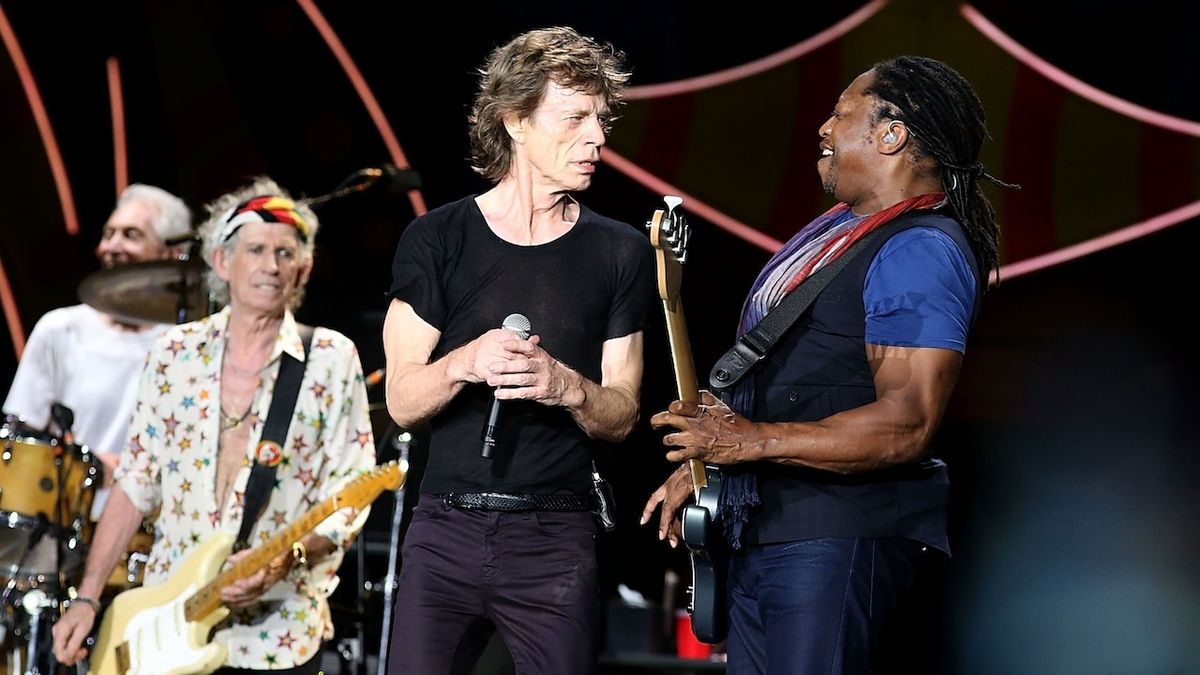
<point>359,493</point>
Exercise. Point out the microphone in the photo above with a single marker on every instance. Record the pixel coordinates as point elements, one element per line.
<point>399,179</point>
<point>396,179</point>
<point>519,324</point>
<point>64,417</point>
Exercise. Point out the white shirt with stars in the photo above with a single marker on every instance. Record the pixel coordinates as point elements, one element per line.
<point>170,462</point>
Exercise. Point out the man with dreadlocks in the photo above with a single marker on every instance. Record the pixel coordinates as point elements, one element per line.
<point>831,499</point>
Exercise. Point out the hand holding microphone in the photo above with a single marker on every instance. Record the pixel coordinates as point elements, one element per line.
<point>519,324</point>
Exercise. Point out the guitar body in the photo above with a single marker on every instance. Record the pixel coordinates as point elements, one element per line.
<point>164,629</point>
<point>708,603</point>
<point>150,620</point>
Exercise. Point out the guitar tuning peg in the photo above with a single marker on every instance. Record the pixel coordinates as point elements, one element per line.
<point>672,201</point>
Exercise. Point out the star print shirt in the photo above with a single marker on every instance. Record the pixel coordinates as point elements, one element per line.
<point>170,464</point>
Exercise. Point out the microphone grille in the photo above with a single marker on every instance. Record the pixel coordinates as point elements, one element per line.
<point>519,324</point>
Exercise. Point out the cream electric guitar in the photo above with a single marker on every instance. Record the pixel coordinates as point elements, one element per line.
<point>164,629</point>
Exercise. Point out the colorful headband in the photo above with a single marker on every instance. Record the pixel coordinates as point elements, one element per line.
<point>263,210</point>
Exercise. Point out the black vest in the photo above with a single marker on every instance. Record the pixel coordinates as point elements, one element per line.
<point>818,369</point>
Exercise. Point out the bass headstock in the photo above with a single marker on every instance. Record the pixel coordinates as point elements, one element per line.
<point>669,235</point>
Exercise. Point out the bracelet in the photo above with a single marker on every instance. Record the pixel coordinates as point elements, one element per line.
<point>87,601</point>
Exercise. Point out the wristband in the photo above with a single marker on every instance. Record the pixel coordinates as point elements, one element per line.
<point>87,601</point>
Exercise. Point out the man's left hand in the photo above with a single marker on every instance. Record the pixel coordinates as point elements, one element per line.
<point>708,431</point>
<point>245,592</point>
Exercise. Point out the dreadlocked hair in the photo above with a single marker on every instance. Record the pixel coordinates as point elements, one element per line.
<point>946,122</point>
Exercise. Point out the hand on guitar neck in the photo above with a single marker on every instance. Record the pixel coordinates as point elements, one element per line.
<point>709,432</point>
<point>247,590</point>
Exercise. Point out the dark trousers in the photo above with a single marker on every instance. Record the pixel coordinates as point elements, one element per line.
<point>532,574</point>
<point>814,606</point>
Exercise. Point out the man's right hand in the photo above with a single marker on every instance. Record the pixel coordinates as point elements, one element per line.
<point>473,362</point>
<point>71,629</point>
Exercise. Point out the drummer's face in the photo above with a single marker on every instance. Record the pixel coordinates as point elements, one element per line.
<point>129,237</point>
<point>265,267</point>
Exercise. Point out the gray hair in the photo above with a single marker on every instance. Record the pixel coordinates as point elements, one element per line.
<point>514,81</point>
<point>172,218</point>
<point>261,186</point>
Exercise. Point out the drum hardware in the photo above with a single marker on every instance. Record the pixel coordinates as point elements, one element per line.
<point>42,611</point>
<point>64,417</point>
<point>49,485</point>
<point>35,537</point>
<point>44,507</point>
<point>130,569</point>
<point>137,562</point>
<point>29,650</point>
<point>34,601</point>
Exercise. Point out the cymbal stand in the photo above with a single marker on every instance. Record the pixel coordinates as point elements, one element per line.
<point>181,298</point>
<point>41,659</point>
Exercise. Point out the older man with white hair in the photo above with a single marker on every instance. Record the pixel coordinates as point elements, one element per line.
<point>90,361</point>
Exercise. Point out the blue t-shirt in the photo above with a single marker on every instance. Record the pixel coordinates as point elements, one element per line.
<point>919,292</point>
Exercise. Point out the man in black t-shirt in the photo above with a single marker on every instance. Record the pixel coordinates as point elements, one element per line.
<point>509,539</point>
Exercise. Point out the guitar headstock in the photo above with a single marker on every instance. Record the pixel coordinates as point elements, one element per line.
<point>364,489</point>
<point>669,235</point>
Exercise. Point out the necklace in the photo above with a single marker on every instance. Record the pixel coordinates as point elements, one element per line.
<point>245,372</point>
<point>231,422</point>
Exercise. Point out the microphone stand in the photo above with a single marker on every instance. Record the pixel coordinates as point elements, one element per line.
<point>393,436</point>
<point>356,182</point>
<point>363,179</point>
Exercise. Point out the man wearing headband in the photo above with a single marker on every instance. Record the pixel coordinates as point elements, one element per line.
<point>197,431</point>
<point>831,500</point>
<point>508,538</point>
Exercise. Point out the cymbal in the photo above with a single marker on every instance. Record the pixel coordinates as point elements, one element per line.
<point>149,292</point>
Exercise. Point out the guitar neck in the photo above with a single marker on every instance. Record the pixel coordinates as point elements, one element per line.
<point>208,599</point>
<point>681,352</point>
<point>685,375</point>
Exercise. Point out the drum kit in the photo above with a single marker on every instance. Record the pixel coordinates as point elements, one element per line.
<point>48,483</point>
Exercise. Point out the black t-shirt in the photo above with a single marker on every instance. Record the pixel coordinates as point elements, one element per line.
<point>589,285</point>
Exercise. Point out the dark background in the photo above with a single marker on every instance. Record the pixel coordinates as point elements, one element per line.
<point>1071,437</point>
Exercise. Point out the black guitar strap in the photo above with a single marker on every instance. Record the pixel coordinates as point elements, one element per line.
<point>270,446</point>
<point>750,349</point>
